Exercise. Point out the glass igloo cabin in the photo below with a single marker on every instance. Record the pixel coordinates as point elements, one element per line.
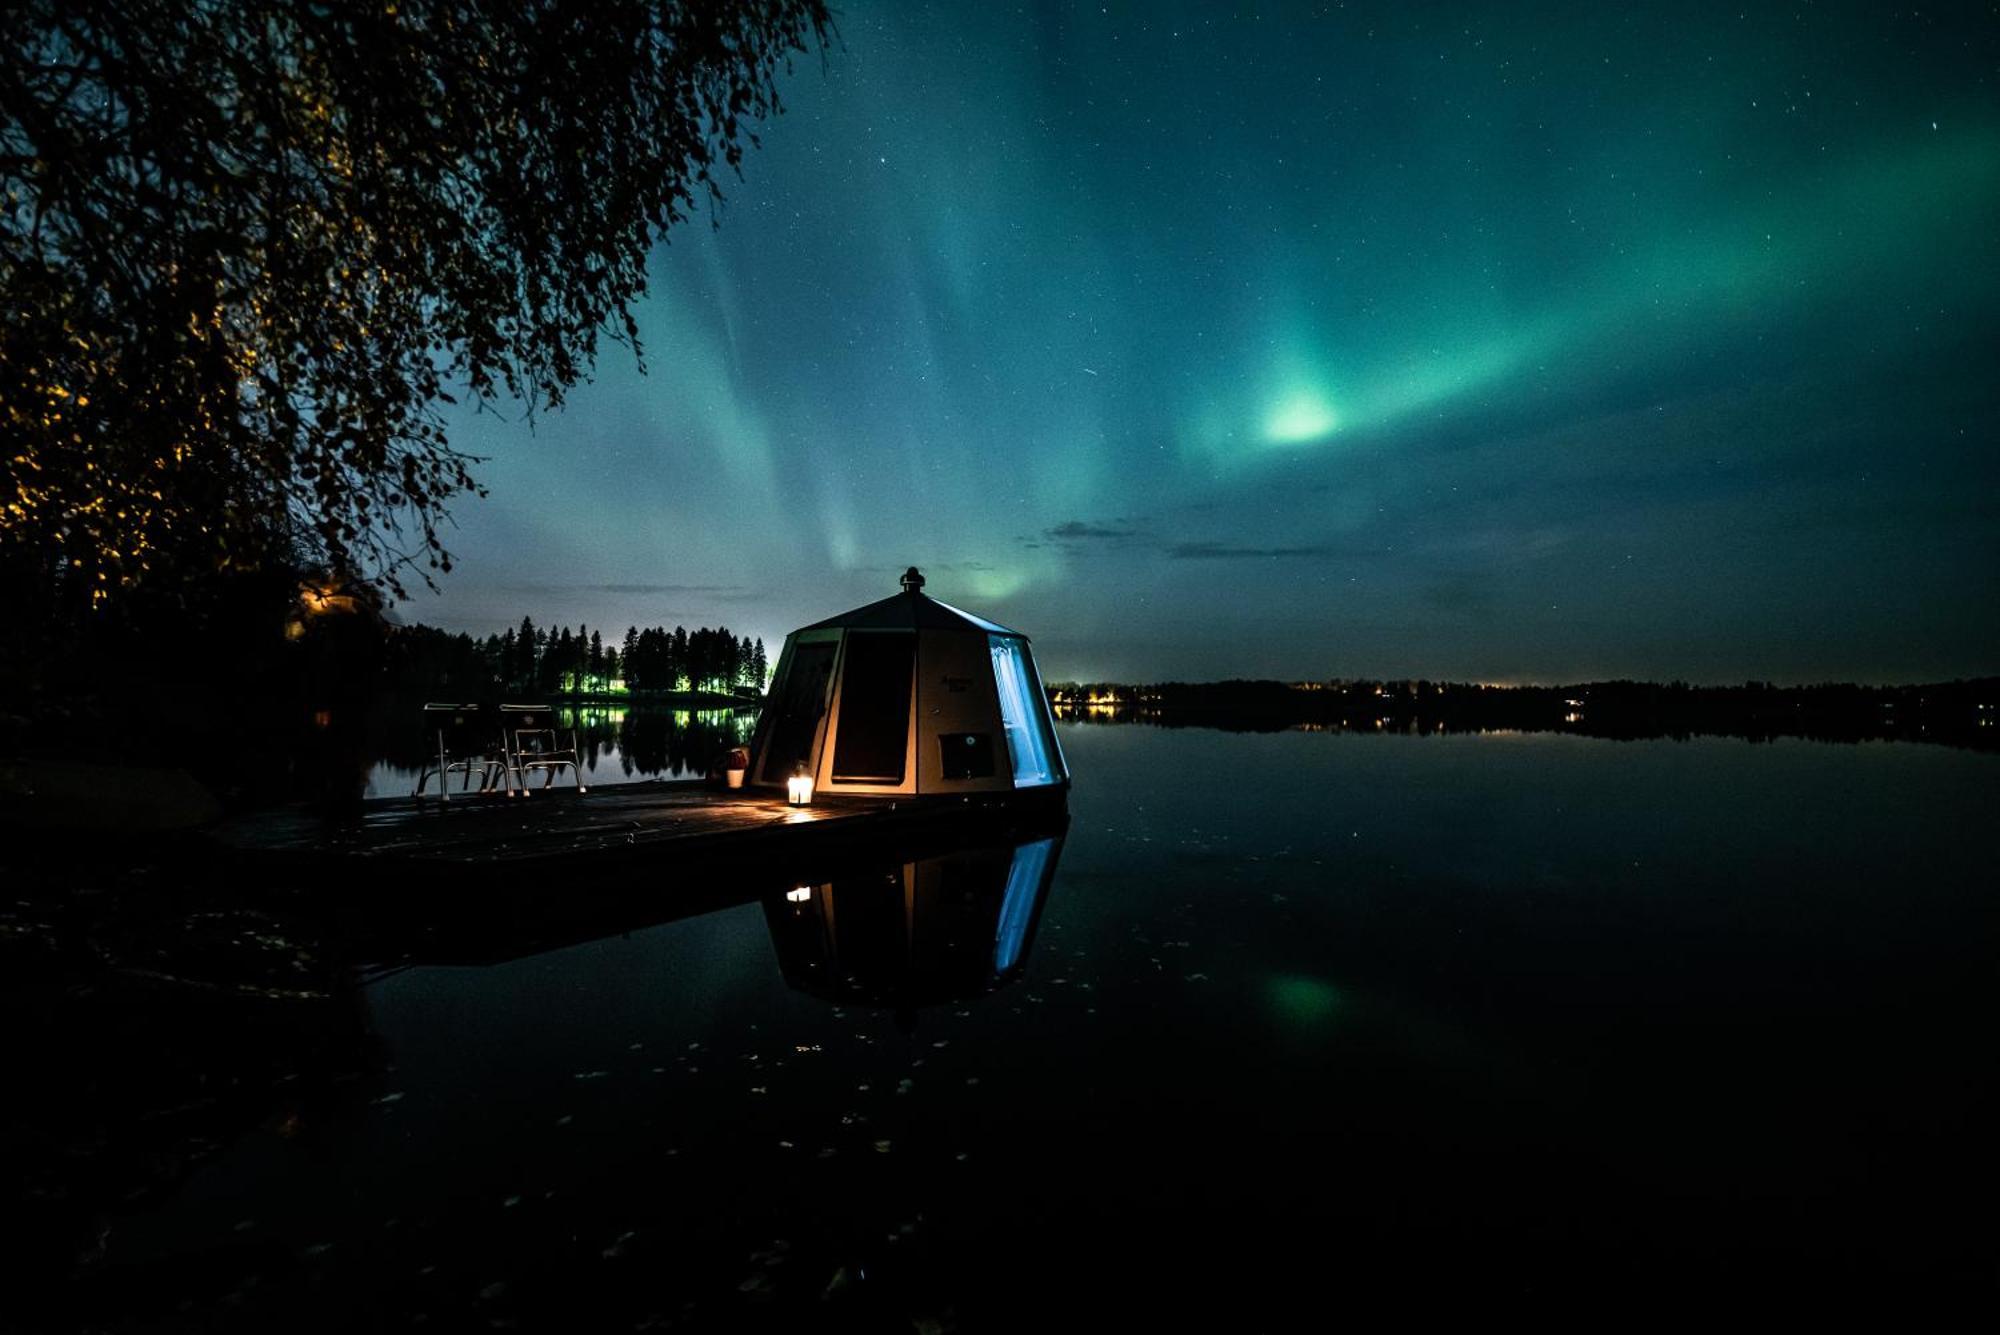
<point>908,697</point>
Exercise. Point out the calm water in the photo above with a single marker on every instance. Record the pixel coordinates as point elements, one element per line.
<point>618,745</point>
<point>1497,1024</point>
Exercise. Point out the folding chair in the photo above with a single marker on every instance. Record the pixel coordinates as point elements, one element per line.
<point>533,742</point>
<point>459,740</point>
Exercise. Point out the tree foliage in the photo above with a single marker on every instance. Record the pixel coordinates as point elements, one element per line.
<point>250,246</point>
<point>533,660</point>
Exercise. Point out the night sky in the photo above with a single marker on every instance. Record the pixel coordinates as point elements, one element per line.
<point>1551,344</point>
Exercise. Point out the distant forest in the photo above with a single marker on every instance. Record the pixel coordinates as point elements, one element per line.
<point>564,662</point>
<point>1960,713</point>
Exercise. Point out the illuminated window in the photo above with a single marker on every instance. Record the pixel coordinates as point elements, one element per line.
<point>1021,713</point>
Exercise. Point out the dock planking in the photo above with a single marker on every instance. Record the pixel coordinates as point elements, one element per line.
<point>485,879</point>
<point>488,878</point>
<point>611,825</point>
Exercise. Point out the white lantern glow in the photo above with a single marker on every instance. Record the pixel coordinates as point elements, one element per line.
<point>799,789</point>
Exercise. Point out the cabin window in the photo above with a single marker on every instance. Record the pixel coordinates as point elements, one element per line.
<point>872,740</point>
<point>1022,710</point>
<point>800,705</point>
<point>966,755</point>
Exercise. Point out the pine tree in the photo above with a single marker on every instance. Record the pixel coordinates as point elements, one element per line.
<point>558,667</point>
<point>645,666</point>
<point>522,674</point>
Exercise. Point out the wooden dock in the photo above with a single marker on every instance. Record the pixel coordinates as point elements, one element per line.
<point>486,878</point>
<point>657,825</point>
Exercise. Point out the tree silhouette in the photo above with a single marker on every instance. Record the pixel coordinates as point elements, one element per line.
<point>248,248</point>
<point>522,671</point>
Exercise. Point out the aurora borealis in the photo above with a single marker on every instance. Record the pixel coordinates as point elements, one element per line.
<point>1555,343</point>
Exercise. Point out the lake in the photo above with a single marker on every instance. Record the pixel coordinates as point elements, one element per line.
<point>1375,1024</point>
<point>617,744</point>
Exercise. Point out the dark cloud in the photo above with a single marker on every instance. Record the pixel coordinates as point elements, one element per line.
<point>735,591</point>
<point>1076,530</point>
<point>929,567</point>
<point>1128,535</point>
<point>1216,551</point>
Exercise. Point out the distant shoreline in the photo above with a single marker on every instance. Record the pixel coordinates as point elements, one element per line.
<point>1959,713</point>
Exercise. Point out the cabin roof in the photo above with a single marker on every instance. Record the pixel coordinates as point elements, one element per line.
<point>911,610</point>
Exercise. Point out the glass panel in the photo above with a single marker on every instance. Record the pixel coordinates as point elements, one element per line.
<point>800,700</point>
<point>1045,719</point>
<point>1020,713</point>
<point>871,741</point>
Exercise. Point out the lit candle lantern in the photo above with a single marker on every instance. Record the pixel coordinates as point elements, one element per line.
<point>799,789</point>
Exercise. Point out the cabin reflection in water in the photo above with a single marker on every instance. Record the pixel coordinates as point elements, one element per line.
<point>937,929</point>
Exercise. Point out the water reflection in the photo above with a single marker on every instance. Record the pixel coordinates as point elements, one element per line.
<point>658,742</point>
<point>1305,1016</point>
<point>948,928</point>
<point>249,1031</point>
<point>898,924</point>
<point>134,1068</point>
<point>617,743</point>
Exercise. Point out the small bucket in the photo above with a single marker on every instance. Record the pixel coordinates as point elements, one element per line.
<point>735,777</point>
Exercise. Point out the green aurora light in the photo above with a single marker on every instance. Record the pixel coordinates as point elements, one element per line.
<point>1571,341</point>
